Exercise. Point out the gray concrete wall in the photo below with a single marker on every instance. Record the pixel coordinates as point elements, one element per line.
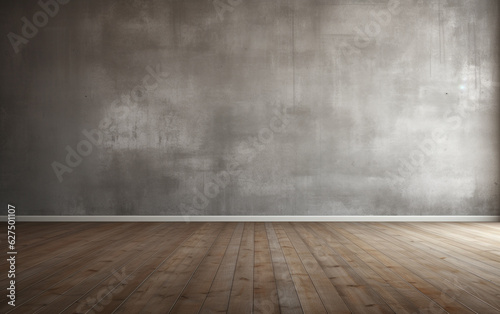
<point>229,107</point>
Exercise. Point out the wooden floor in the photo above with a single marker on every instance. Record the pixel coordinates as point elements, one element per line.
<point>255,267</point>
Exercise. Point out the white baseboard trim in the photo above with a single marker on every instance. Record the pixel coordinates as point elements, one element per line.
<point>401,218</point>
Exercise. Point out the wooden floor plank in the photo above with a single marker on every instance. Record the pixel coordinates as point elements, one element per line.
<point>464,232</point>
<point>362,297</point>
<point>75,235</point>
<point>32,257</point>
<point>477,286</point>
<point>161,288</point>
<point>469,245</point>
<point>493,228</point>
<point>57,277</point>
<point>119,291</point>
<point>256,268</point>
<point>175,278</point>
<point>435,272</point>
<point>217,299</point>
<point>197,289</point>
<point>57,259</point>
<point>241,298</point>
<point>103,280</point>
<point>287,295</point>
<point>100,264</point>
<point>388,293</point>
<point>265,293</point>
<point>40,233</point>
<point>398,293</point>
<point>329,295</point>
<point>439,299</point>
<point>309,297</point>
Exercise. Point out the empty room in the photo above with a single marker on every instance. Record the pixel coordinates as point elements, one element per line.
<point>250,156</point>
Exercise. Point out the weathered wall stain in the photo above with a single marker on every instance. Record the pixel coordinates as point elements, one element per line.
<point>328,108</point>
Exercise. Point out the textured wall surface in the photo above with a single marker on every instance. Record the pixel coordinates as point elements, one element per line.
<point>230,107</point>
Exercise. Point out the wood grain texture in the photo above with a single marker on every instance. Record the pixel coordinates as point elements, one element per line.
<point>249,267</point>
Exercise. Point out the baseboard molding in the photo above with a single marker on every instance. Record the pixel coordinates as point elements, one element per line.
<point>402,218</point>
